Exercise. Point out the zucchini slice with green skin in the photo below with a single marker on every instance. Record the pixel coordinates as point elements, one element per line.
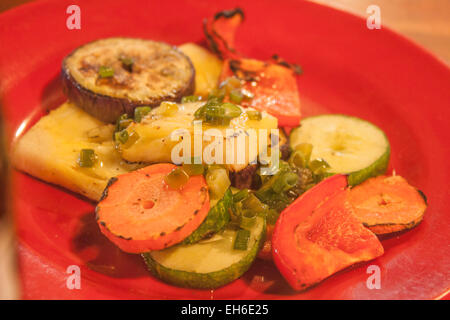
<point>206,264</point>
<point>350,145</point>
<point>217,218</point>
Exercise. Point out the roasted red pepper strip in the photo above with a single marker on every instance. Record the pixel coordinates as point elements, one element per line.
<point>273,83</point>
<point>318,235</point>
<point>220,32</point>
<point>273,87</point>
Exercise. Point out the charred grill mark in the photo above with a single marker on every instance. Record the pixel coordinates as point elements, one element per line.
<point>212,43</point>
<point>229,13</point>
<point>105,191</point>
<point>294,67</point>
<point>179,227</point>
<point>212,35</point>
<point>424,197</point>
<point>97,209</point>
<point>240,73</point>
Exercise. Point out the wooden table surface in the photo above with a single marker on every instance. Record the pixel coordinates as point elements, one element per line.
<point>427,22</point>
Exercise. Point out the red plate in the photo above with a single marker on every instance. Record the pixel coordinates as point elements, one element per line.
<point>373,74</point>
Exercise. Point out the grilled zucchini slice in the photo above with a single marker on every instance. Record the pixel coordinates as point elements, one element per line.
<point>217,218</point>
<point>206,264</point>
<point>113,76</point>
<point>350,145</point>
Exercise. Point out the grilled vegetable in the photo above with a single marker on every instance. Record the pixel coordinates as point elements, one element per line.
<point>139,212</point>
<point>318,235</point>
<point>207,68</point>
<point>113,76</point>
<point>217,218</point>
<point>271,85</point>
<point>50,151</point>
<point>273,88</point>
<point>155,130</point>
<point>348,145</point>
<point>388,204</point>
<point>206,264</point>
<point>220,32</point>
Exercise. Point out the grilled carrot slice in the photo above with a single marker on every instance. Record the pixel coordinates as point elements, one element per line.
<point>388,204</point>
<point>139,212</point>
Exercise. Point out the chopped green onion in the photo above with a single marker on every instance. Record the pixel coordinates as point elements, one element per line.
<point>141,112</point>
<point>218,181</point>
<point>127,63</point>
<point>253,204</point>
<point>242,238</point>
<point>87,158</point>
<point>190,99</point>
<point>236,96</point>
<point>124,123</point>
<point>218,114</point>
<point>168,108</point>
<point>318,166</point>
<point>214,100</point>
<point>106,72</point>
<point>284,182</point>
<point>118,125</point>
<point>231,110</point>
<point>240,195</point>
<point>230,84</point>
<point>272,216</point>
<point>217,93</point>
<point>298,159</point>
<point>193,169</point>
<point>254,114</point>
<point>133,136</point>
<point>247,221</point>
<point>121,136</point>
<point>177,178</point>
<point>306,149</point>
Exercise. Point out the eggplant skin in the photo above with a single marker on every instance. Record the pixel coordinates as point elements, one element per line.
<point>107,99</point>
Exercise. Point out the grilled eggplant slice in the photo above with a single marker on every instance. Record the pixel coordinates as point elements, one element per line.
<point>110,77</point>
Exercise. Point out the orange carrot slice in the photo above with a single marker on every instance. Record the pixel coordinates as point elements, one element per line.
<point>388,204</point>
<point>139,212</point>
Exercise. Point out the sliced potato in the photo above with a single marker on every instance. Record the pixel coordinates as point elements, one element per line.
<point>50,150</point>
<point>155,144</point>
<point>207,68</point>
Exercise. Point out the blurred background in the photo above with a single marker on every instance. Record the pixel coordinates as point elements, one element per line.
<point>427,22</point>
